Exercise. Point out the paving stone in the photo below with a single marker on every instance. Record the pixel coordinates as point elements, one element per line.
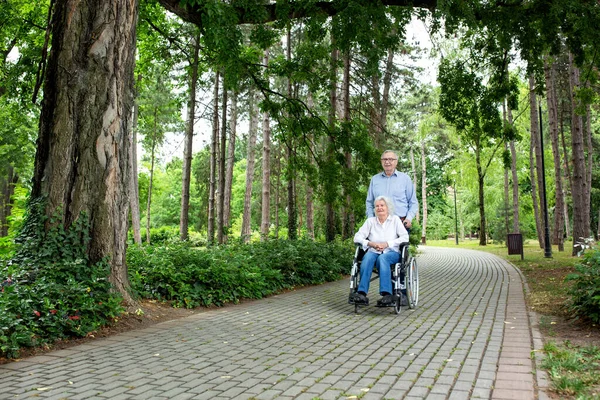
<point>309,342</point>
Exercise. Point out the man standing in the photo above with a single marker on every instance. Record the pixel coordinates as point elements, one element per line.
<point>397,186</point>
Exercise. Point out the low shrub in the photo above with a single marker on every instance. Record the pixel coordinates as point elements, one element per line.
<point>585,288</point>
<point>226,274</point>
<point>50,290</point>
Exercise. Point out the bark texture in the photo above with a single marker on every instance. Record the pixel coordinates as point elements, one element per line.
<point>266,168</point>
<point>188,142</point>
<point>535,168</point>
<point>213,164</point>
<point>7,188</point>
<point>230,161</point>
<point>247,216</point>
<point>82,161</point>
<point>579,188</point>
<point>559,225</point>
<point>134,193</point>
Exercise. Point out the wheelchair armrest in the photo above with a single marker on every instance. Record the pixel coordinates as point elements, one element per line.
<point>358,252</point>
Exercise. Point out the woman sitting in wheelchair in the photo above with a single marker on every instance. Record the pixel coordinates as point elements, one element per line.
<point>380,237</point>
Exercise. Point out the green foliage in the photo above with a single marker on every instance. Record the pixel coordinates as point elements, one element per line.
<point>226,274</point>
<point>573,370</point>
<point>585,292</point>
<point>49,288</point>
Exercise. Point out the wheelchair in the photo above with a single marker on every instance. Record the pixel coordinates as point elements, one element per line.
<point>405,279</point>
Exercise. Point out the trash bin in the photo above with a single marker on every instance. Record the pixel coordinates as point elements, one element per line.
<point>515,244</point>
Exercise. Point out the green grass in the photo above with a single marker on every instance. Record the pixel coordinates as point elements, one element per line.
<point>573,369</point>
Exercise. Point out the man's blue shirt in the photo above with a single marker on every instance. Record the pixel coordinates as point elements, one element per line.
<point>399,188</point>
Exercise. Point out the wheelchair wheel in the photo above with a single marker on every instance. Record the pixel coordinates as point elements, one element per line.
<point>412,283</point>
<point>354,281</point>
<point>398,304</point>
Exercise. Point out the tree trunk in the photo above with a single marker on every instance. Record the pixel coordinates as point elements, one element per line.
<point>213,164</point>
<point>348,218</point>
<point>292,208</point>
<point>506,202</point>
<point>150,182</point>
<point>230,164</point>
<point>387,83</point>
<point>376,128</point>
<point>134,192</point>
<point>330,186</point>
<point>424,193</point>
<point>515,179</point>
<point>7,187</point>
<point>587,197</point>
<point>414,179</point>
<point>189,139</point>
<point>310,208</point>
<point>247,216</point>
<point>536,210</point>
<point>266,171</point>
<point>579,188</point>
<point>82,160</point>
<point>480,180</point>
<point>221,184</point>
<point>537,151</point>
<point>557,237</point>
<point>277,188</point>
<point>567,175</point>
<point>506,183</point>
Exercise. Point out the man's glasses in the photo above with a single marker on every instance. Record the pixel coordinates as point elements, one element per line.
<point>388,159</point>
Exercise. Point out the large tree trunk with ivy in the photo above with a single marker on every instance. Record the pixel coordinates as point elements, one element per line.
<point>189,139</point>
<point>82,160</point>
<point>559,225</point>
<point>250,157</point>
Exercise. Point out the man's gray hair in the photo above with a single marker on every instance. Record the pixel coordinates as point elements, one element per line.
<point>390,151</point>
<point>388,202</point>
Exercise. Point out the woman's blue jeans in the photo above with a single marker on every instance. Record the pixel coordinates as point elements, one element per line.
<point>383,262</point>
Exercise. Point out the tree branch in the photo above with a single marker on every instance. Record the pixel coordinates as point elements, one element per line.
<point>297,10</point>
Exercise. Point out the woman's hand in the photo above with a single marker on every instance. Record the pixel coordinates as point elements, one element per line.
<point>379,246</point>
